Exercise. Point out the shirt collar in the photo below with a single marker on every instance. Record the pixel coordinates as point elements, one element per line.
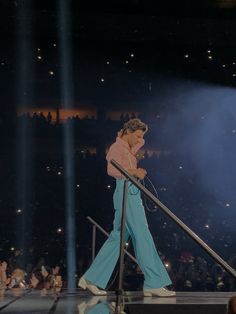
<point>123,143</point>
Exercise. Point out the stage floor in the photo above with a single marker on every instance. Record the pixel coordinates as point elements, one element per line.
<point>80,302</point>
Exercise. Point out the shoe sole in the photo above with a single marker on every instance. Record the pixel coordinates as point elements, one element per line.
<point>82,284</point>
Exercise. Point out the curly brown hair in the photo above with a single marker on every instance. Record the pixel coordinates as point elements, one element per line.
<point>133,125</point>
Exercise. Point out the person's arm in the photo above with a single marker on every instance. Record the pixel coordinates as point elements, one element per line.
<point>138,173</point>
<point>3,275</point>
<point>137,147</point>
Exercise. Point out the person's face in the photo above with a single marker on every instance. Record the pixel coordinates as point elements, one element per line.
<point>134,137</point>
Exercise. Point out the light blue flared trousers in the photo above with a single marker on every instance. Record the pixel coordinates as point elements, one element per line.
<point>155,274</point>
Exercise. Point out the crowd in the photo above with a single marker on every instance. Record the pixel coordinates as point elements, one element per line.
<point>13,275</point>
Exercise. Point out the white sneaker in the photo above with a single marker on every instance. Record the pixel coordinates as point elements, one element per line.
<point>92,288</point>
<point>160,292</point>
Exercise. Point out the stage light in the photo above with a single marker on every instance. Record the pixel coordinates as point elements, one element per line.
<point>66,66</point>
<point>24,133</point>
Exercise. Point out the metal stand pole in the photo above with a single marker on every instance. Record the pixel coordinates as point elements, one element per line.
<point>119,291</point>
<point>94,242</point>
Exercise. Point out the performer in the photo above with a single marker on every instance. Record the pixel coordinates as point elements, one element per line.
<point>128,142</point>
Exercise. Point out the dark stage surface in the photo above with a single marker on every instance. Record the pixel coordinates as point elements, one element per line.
<point>36,302</point>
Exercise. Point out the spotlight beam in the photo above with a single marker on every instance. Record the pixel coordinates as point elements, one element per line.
<point>68,139</point>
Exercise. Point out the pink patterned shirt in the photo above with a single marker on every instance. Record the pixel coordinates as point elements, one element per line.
<point>121,152</point>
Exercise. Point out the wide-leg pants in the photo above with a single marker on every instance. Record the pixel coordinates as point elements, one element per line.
<point>155,274</point>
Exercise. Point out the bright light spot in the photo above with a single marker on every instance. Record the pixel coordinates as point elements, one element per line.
<point>186,56</point>
<point>77,185</point>
<point>207,226</point>
<point>210,57</point>
<point>102,80</point>
<point>59,230</point>
<point>127,244</point>
<point>59,173</point>
<point>130,71</point>
<point>163,188</point>
<point>208,51</point>
<point>39,57</point>
<point>48,168</point>
<point>108,62</point>
<point>223,65</point>
<point>51,73</point>
<point>234,63</point>
<point>39,49</point>
<point>2,63</point>
<point>227,205</point>
<point>180,167</point>
<point>54,45</point>
<point>233,131</point>
<point>166,265</point>
<point>126,61</point>
<point>131,55</point>
<point>234,75</point>
<point>12,248</point>
<point>19,211</point>
<point>108,186</point>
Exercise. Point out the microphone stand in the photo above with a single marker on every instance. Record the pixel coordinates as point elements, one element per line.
<point>120,292</point>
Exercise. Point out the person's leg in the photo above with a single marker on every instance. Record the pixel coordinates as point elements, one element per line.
<point>155,274</point>
<point>102,267</point>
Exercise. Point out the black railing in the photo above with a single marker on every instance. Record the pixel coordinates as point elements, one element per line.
<point>193,235</point>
